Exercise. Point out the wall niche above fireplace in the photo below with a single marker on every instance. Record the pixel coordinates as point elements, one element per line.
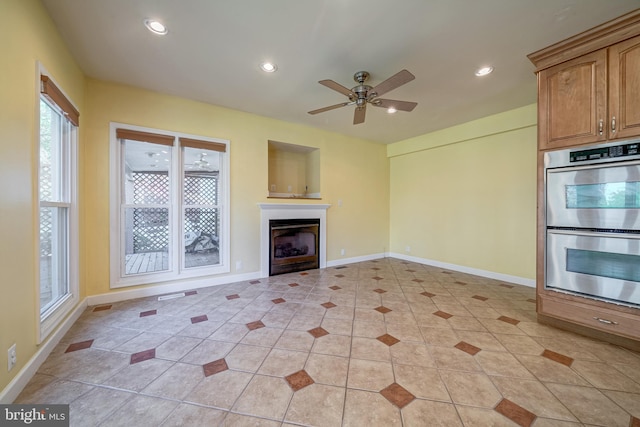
<point>294,171</point>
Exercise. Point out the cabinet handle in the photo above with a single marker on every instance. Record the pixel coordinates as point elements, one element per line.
<point>608,322</point>
<point>600,126</point>
<point>613,124</point>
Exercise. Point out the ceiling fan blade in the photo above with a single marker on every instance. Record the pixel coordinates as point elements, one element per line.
<point>398,105</point>
<point>358,115</point>
<point>331,107</point>
<point>393,82</point>
<point>337,87</point>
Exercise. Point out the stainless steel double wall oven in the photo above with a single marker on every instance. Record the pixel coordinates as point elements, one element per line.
<point>592,199</point>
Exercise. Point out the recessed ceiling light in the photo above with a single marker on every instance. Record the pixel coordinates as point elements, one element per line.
<point>155,27</point>
<point>484,71</point>
<point>268,67</point>
<point>391,110</point>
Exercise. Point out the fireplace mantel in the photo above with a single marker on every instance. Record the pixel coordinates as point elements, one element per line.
<point>269,211</point>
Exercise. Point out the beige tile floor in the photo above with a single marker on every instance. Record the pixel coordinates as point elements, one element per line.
<point>378,343</point>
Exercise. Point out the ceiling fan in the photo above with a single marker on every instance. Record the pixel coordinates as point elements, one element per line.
<point>363,94</point>
<point>200,164</point>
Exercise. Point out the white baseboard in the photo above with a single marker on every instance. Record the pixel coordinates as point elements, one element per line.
<point>338,262</point>
<point>20,381</point>
<point>181,286</point>
<point>469,270</point>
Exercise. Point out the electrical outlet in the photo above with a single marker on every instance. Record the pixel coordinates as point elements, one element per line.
<point>289,188</point>
<point>407,249</point>
<point>238,265</point>
<point>12,358</point>
<point>341,251</point>
<point>273,187</point>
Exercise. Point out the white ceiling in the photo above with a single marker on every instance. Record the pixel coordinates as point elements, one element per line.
<point>214,47</point>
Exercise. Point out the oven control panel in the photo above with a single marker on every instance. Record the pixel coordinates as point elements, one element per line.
<point>614,151</point>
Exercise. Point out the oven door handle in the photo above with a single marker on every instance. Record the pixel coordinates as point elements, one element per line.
<point>587,233</point>
<point>601,165</point>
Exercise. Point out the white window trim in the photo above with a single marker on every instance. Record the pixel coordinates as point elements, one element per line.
<point>176,272</point>
<point>56,314</point>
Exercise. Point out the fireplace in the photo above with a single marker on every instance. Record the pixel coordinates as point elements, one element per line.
<point>286,211</point>
<point>294,245</point>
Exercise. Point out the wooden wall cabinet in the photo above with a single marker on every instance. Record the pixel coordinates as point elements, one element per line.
<point>589,86</point>
<point>588,92</point>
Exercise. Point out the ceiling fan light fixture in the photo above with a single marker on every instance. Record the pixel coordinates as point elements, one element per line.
<point>268,67</point>
<point>483,71</point>
<point>155,27</point>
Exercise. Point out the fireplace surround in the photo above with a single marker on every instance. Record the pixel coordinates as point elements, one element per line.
<point>291,211</point>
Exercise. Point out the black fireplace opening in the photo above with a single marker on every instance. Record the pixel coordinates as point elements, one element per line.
<point>294,245</point>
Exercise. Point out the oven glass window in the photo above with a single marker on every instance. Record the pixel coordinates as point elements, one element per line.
<point>604,264</point>
<point>610,195</point>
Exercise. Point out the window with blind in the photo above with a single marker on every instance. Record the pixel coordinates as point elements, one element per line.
<point>170,206</point>
<point>58,246</point>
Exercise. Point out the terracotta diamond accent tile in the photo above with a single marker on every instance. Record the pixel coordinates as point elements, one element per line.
<point>635,422</point>
<point>397,395</point>
<point>340,275</point>
<point>504,285</point>
<point>377,278</point>
<point>299,380</point>
<point>278,300</point>
<point>509,320</point>
<point>417,280</point>
<point>467,348</point>
<point>557,357</point>
<point>198,319</point>
<point>427,294</point>
<point>255,325</point>
<point>461,283</point>
<point>142,356</point>
<point>382,309</point>
<point>447,272</point>
<point>189,293</point>
<point>215,367</point>
<point>318,332</point>
<point>102,308</point>
<point>442,314</point>
<point>515,413</point>
<point>293,285</point>
<point>148,313</point>
<point>380,291</point>
<point>234,296</point>
<point>411,271</point>
<point>340,267</point>
<point>531,300</point>
<point>79,346</point>
<point>388,339</point>
<point>304,274</point>
<point>375,268</point>
<point>480,297</point>
<point>334,287</point>
<point>328,305</point>
<point>254,282</point>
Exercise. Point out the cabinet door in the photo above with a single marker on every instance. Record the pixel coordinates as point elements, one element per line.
<point>624,89</point>
<point>572,102</point>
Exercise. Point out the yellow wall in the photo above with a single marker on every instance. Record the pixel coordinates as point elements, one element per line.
<point>466,195</point>
<point>287,168</point>
<point>352,170</point>
<point>27,35</point>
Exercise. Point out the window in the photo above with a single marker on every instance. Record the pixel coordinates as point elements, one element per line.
<point>57,260</point>
<point>169,205</point>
